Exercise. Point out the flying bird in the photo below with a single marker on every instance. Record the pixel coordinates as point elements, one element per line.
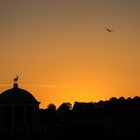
<point>109,30</point>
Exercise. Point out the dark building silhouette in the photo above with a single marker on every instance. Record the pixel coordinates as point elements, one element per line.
<point>113,119</point>
<point>19,111</point>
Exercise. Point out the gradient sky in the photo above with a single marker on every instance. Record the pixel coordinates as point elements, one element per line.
<point>62,52</point>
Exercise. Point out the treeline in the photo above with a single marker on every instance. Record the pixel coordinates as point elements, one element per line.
<point>111,106</point>
<point>113,119</point>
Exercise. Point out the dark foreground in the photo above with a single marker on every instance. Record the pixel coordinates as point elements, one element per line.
<point>111,120</point>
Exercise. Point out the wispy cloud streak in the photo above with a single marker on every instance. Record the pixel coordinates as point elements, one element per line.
<point>5,85</point>
<point>53,86</point>
<point>41,85</point>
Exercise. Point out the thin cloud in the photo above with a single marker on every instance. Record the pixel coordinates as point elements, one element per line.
<point>5,85</point>
<point>53,86</point>
<point>40,85</point>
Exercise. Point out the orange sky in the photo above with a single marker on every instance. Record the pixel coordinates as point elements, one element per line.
<point>62,52</point>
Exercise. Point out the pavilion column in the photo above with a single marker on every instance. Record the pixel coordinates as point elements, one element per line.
<point>1,117</point>
<point>13,116</point>
<point>33,115</point>
<point>13,120</point>
<point>25,123</point>
<point>25,117</point>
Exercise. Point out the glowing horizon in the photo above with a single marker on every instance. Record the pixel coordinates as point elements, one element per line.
<point>62,51</point>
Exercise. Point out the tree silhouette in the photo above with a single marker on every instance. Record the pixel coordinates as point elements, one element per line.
<point>65,108</point>
<point>51,107</point>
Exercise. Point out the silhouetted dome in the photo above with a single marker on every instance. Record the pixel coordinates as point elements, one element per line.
<point>17,95</point>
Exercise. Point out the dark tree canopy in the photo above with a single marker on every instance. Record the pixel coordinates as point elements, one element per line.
<point>51,107</point>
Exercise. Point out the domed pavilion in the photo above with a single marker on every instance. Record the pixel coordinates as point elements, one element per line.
<point>18,109</point>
